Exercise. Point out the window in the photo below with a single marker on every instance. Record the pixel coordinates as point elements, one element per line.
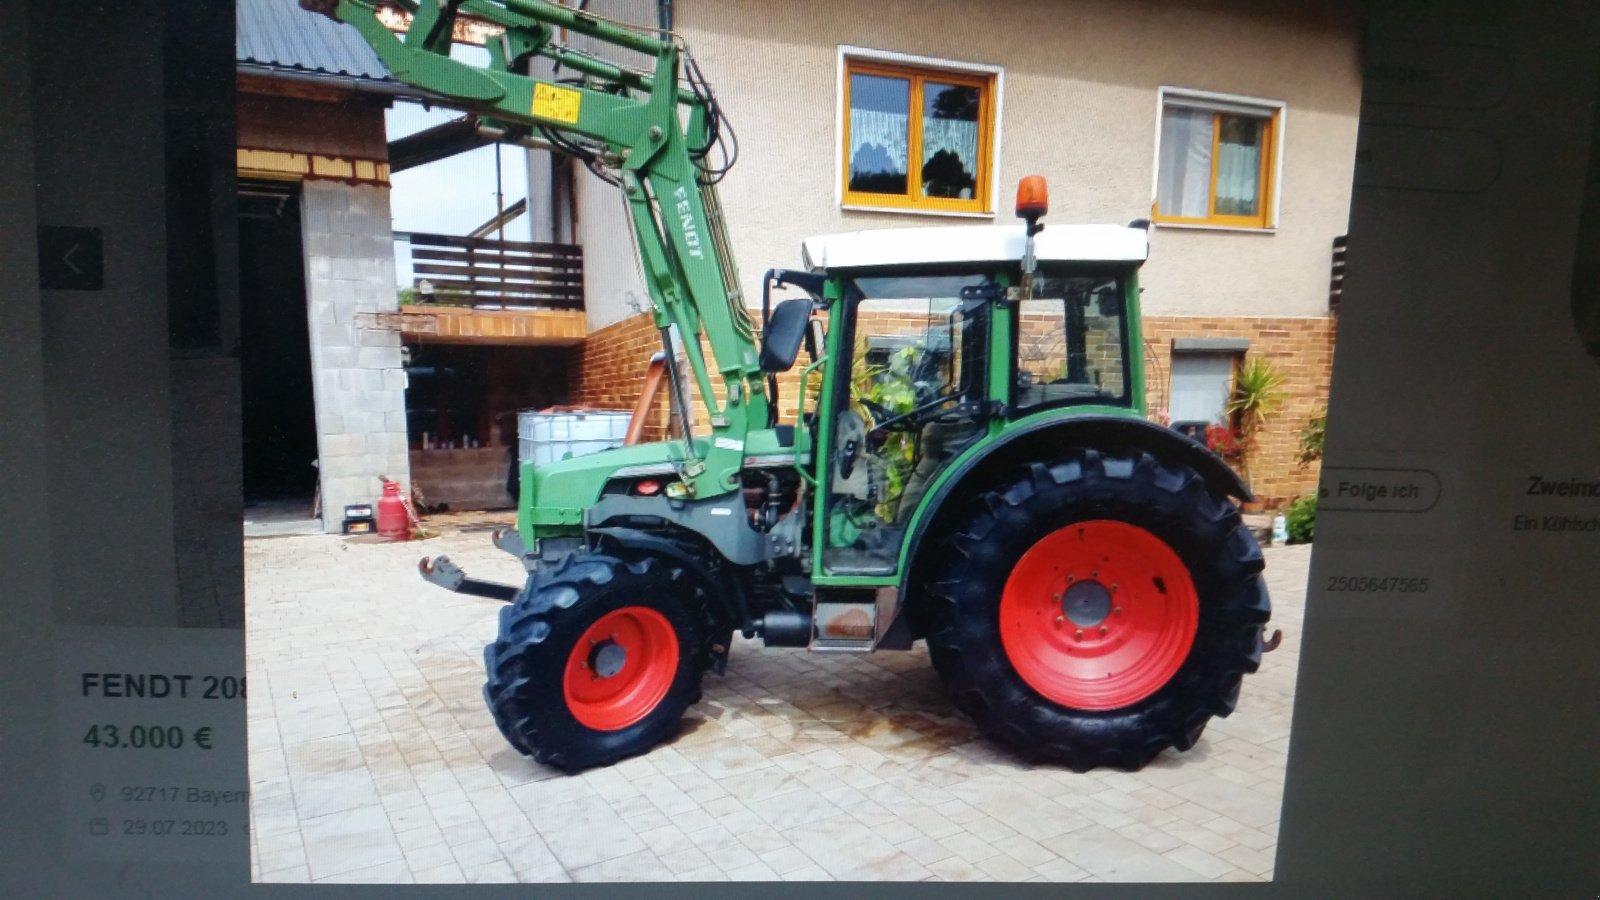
<point>919,356</point>
<point>1071,343</point>
<point>1201,381</point>
<point>918,138</point>
<point>1216,160</point>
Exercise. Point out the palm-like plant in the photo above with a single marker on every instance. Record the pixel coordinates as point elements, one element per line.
<point>1257,394</point>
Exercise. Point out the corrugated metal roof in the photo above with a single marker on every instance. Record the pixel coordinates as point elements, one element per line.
<point>279,34</point>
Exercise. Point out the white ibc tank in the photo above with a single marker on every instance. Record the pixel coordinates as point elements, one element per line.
<point>546,437</point>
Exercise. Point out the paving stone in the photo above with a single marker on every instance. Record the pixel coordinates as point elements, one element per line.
<point>345,841</point>
<point>371,754</point>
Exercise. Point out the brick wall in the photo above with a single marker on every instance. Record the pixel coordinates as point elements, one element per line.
<point>612,367</point>
<point>1300,348</point>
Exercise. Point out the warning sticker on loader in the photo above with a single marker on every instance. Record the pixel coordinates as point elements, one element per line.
<point>557,103</point>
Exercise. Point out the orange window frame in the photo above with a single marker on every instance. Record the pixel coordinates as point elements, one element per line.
<point>912,199</point>
<point>1264,180</point>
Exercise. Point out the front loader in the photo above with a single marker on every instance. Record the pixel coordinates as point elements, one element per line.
<point>963,458</point>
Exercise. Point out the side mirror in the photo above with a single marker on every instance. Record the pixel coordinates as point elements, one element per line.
<point>816,339</point>
<point>780,343</point>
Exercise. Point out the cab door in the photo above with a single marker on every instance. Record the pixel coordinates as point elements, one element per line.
<point>907,390</point>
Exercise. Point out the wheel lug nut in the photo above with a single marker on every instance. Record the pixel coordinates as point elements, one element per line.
<point>1103,629</point>
<point>1078,634</point>
<point>1059,620</point>
<point>1117,610</point>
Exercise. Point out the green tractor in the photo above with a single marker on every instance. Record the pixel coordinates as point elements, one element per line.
<point>965,458</point>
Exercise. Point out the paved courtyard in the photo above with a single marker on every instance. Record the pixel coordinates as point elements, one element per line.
<point>373,759</point>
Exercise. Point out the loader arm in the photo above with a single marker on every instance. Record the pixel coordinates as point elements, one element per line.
<point>654,130</point>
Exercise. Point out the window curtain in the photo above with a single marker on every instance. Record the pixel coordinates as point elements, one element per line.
<point>1238,178</point>
<point>955,135</point>
<point>1184,182</point>
<point>885,131</point>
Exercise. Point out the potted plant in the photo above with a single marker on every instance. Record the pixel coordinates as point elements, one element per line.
<point>1257,394</point>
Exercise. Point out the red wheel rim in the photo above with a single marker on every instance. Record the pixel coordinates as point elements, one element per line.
<point>620,668</point>
<point>1098,615</point>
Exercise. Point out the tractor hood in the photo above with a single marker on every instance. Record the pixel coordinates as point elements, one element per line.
<point>973,243</point>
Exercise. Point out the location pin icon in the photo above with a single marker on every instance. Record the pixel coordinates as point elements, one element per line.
<point>97,793</point>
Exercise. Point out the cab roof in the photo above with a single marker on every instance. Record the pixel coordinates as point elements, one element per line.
<point>973,243</point>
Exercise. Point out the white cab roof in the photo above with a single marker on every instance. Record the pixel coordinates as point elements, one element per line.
<point>973,243</point>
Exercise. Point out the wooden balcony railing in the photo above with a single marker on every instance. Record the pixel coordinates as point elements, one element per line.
<point>491,274</point>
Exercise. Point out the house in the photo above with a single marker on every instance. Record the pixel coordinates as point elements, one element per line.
<point>1231,125</point>
<point>343,384</point>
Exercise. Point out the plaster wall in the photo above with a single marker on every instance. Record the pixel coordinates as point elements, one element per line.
<point>1079,106</point>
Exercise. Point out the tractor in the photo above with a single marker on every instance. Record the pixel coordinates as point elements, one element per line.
<point>962,459</point>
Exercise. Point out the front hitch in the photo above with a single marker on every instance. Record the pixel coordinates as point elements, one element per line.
<point>441,571</point>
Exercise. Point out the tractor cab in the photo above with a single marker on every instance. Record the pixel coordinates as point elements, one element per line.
<point>939,339</point>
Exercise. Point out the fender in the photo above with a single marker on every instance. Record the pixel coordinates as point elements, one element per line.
<point>727,592</point>
<point>1046,438</point>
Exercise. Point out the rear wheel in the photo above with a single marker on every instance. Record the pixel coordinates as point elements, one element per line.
<point>1095,611</point>
<point>596,660</point>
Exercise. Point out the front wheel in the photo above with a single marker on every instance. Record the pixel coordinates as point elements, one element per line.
<point>596,660</point>
<point>1097,610</point>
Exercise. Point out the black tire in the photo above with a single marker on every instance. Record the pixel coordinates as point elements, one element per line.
<point>1172,503</point>
<point>527,661</point>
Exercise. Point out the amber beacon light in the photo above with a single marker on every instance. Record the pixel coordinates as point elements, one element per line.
<point>1033,198</point>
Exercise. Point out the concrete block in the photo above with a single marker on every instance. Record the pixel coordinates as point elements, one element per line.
<point>341,490</point>
<point>377,337</point>
<point>316,241</point>
<point>378,357</point>
<point>342,466</point>
<point>345,269</point>
<point>338,335</point>
<point>342,445</point>
<point>371,422</point>
<point>394,380</point>
<point>380,402</point>
<point>337,357</point>
<point>313,220</point>
<point>348,306</point>
<point>395,422</point>
<point>319,267</point>
<point>386,444</point>
<point>329,422</point>
<point>340,246</point>
<point>329,196</point>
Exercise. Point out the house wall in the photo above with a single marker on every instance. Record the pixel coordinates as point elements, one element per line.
<point>355,355</point>
<point>612,368</point>
<point>1299,347</point>
<point>1079,106</point>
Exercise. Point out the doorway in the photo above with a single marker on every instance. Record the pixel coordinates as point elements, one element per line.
<point>279,410</point>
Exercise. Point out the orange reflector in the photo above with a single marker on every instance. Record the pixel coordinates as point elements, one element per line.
<point>647,488</point>
<point>1033,197</point>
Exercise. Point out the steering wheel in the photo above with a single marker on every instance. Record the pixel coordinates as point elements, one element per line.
<point>879,411</point>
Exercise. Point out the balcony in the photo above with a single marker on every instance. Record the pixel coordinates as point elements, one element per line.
<point>470,290</point>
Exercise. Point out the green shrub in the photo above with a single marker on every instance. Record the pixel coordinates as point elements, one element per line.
<point>1302,519</point>
<point>1311,439</point>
